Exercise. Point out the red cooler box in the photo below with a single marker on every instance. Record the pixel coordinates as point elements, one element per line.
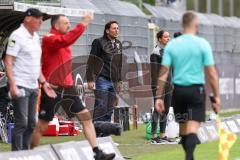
<point>53,128</point>
<point>65,130</point>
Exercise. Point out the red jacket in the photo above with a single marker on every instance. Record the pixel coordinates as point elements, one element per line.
<point>57,56</point>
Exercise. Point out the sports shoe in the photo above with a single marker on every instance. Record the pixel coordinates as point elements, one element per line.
<point>157,140</point>
<point>168,140</point>
<point>100,155</point>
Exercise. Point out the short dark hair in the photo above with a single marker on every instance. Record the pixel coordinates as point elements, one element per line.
<point>187,18</point>
<point>177,34</point>
<point>108,26</point>
<point>160,34</point>
<point>55,18</point>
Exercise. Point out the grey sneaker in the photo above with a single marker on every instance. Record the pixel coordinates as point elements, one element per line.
<point>100,155</point>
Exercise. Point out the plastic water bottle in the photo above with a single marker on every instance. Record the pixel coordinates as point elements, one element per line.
<point>172,129</point>
<point>21,93</point>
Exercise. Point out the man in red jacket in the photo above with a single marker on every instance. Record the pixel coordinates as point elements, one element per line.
<point>57,68</point>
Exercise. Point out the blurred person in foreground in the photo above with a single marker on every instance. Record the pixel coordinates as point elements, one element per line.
<point>191,58</point>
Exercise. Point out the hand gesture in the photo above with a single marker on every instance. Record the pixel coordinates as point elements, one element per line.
<point>87,18</point>
<point>2,74</point>
<point>49,91</point>
<point>91,85</point>
<point>159,105</point>
<point>216,103</point>
<point>14,91</point>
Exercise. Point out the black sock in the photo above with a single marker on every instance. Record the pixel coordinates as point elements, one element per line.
<point>189,144</point>
<point>181,138</point>
<point>96,149</point>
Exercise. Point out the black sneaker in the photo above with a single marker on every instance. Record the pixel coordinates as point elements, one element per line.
<point>156,140</point>
<point>168,140</point>
<point>100,155</point>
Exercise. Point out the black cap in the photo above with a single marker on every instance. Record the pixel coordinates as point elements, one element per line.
<point>33,12</point>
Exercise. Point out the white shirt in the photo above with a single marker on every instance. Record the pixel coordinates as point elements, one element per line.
<point>27,50</point>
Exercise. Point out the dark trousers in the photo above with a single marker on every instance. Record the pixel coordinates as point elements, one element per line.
<point>24,119</point>
<point>104,100</point>
<point>161,119</point>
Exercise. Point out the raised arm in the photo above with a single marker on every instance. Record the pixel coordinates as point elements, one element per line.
<point>59,41</point>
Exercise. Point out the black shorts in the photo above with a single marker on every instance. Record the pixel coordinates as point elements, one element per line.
<point>68,99</point>
<point>189,103</point>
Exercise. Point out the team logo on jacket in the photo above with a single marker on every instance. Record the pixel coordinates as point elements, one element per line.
<point>118,45</point>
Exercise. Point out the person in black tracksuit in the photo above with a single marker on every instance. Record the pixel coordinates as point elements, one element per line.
<point>104,71</point>
<point>155,59</point>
